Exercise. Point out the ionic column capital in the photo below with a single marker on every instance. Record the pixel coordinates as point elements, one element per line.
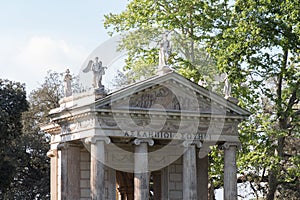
<point>94,139</point>
<point>227,145</point>
<point>138,141</point>
<point>66,145</point>
<point>52,153</point>
<point>62,145</point>
<point>188,143</point>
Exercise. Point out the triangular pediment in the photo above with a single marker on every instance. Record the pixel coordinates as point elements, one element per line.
<point>170,93</point>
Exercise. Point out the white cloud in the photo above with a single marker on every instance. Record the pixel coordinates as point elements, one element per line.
<point>29,62</point>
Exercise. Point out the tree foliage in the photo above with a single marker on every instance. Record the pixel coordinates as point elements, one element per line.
<point>261,48</point>
<point>257,44</point>
<point>143,24</point>
<point>30,176</point>
<point>12,104</point>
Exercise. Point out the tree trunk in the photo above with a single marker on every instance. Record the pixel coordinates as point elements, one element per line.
<point>273,182</point>
<point>272,185</point>
<point>211,191</point>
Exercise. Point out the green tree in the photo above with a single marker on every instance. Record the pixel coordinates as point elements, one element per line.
<point>190,25</point>
<point>257,44</point>
<point>143,24</point>
<point>31,177</point>
<point>12,104</point>
<point>261,48</point>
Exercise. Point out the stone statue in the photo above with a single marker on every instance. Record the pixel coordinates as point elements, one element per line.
<point>98,71</point>
<point>67,85</point>
<point>164,54</point>
<point>227,87</point>
<point>164,51</point>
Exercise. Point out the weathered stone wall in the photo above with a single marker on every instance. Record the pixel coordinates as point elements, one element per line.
<point>85,166</point>
<point>175,180</point>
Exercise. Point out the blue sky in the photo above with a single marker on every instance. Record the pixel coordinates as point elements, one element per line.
<point>41,35</point>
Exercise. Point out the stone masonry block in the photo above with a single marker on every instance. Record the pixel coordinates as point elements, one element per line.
<point>178,186</point>
<point>176,177</point>
<point>175,194</point>
<point>178,168</point>
<point>172,168</point>
<point>85,174</point>
<point>85,156</point>
<point>85,183</point>
<point>172,186</point>
<point>85,165</point>
<point>85,193</point>
<point>178,161</point>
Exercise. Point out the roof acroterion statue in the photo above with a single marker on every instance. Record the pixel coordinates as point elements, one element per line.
<point>164,54</point>
<point>98,70</point>
<point>67,85</point>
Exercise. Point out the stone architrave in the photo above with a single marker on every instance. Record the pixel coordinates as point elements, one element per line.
<point>141,173</point>
<point>230,171</point>
<point>189,170</point>
<point>70,171</point>
<point>97,182</point>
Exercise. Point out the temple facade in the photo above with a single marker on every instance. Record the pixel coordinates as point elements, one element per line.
<point>148,140</point>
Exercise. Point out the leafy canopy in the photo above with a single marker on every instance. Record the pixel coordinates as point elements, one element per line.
<point>257,44</point>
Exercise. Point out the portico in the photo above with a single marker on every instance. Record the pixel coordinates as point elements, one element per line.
<point>147,139</point>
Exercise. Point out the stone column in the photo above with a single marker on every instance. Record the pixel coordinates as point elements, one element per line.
<point>53,155</point>
<point>141,174</point>
<point>202,175</point>
<point>70,171</point>
<point>97,166</point>
<point>189,170</point>
<point>230,171</point>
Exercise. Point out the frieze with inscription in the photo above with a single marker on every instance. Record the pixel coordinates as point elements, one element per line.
<point>165,135</point>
